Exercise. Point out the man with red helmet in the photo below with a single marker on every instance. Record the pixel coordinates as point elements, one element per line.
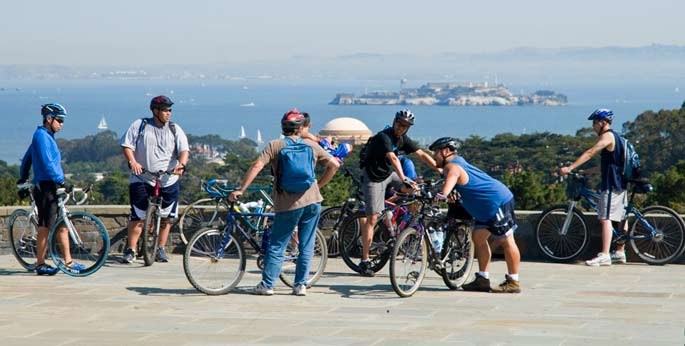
<point>293,208</point>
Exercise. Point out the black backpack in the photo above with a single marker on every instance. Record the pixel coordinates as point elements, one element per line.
<point>364,152</point>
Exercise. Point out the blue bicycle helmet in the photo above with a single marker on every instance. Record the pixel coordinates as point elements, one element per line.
<point>53,110</point>
<point>602,114</point>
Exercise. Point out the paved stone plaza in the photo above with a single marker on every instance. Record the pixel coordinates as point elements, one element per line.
<point>632,304</point>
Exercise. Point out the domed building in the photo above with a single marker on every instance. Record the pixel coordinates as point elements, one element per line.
<point>346,129</point>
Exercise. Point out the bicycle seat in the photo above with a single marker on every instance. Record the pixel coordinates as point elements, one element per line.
<point>641,186</point>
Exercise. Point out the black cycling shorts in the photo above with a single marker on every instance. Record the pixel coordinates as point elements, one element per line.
<point>45,194</point>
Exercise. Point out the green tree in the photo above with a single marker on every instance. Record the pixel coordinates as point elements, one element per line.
<point>669,188</point>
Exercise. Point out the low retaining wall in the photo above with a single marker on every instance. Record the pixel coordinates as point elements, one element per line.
<point>115,218</point>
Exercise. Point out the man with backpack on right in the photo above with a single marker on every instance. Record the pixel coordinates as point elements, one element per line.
<point>614,197</point>
<point>297,198</point>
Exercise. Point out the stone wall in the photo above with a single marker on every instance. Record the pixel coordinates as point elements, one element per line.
<point>115,218</point>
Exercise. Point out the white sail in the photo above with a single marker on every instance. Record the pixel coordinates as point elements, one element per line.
<point>102,125</point>
<point>242,133</point>
<point>259,137</point>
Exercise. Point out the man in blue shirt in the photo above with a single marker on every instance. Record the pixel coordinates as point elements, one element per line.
<point>46,160</point>
<point>491,204</point>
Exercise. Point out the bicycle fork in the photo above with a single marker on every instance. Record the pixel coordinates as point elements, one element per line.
<point>569,217</point>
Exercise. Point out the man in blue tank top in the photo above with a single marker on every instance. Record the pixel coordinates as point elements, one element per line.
<point>613,196</point>
<point>491,204</point>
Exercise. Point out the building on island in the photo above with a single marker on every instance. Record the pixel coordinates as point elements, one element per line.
<point>346,129</point>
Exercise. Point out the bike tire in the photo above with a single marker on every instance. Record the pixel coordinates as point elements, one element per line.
<point>203,213</point>
<point>561,248</point>
<point>329,222</point>
<point>317,266</point>
<point>668,244</point>
<point>458,256</point>
<point>23,233</point>
<point>90,249</point>
<point>351,246</point>
<point>409,262</point>
<point>149,241</point>
<point>208,272</point>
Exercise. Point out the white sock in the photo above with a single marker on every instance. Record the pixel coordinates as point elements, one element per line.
<point>485,275</point>
<point>514,277</point>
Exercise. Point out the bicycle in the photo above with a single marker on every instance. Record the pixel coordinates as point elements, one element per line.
<point>657,234</point>
<point>411,254</point>
<point>214,260</point>
<point>332,218</point>
<point>207,212</point>
<point>153,219</point>
<point>88,237</point>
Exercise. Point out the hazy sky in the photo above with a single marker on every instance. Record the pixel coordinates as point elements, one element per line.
<point>155,32</point>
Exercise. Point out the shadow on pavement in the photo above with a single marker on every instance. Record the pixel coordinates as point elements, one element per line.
<point>148,291</point>
<point>8,272</point>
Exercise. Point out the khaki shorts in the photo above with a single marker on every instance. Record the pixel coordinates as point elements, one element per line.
<point>612,205</point>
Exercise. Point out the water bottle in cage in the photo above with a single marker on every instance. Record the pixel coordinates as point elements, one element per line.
<point>388,222</point>
<point>437,238</point>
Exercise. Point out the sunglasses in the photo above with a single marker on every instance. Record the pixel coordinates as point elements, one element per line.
<point>59,120</point>
<point>165,109</point>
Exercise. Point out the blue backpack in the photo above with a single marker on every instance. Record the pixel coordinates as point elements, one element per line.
<point>631,160</point>
<point>295,166</point>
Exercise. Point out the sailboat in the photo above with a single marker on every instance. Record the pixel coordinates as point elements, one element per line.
<point>242,132</point>
<point>102,125</point>
<point>259,137</point>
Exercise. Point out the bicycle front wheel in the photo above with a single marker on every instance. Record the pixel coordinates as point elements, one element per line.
<point>316,266</point>
<point>457,256</point>
<point>409,262</point>
<point>329,224</point>
<point>203,213</point>
<point>149,235</point>
<point>667,240</point>
<point>23,237</point>
<point>88,245</point>
<point>559,243</point>
<point>214,262</point>
<point>351,244</point>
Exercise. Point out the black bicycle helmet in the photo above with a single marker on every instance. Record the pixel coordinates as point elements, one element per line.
<point>405,115</point>
<point>445,142</point>
<point>160,101</point>
<point>292,120</point>
<point>53,110</point>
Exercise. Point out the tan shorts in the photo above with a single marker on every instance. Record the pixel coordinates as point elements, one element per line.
<point>612,205</point>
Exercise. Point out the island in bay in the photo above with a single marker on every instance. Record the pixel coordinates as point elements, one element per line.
<point>453,94</point>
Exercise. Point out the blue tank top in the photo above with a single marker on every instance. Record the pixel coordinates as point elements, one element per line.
<point>482,195</point>
<point>612,166</point>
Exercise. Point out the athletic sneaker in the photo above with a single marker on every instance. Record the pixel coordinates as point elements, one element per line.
<point>300,290</point>
<point>602,259</point>
<point>161,255</point>
<point>129,256</point>
<point>365,269</point>
<point>75,266</point>
<point>479,284</point>
<point>509,285</point>
<point>262,290</point>
<point>46,269</point>
<point>618,257</point>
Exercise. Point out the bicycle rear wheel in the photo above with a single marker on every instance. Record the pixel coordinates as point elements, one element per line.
<point>149,235</point>
<point>23,234</point>
<point>409,262</point>
<point>328,220</point>
<point>89,246</point>
<point>457,253</point>
<point>351,245</point>
<point>666,243</point>
<point>316,266</point>
<point>554,242</point>
<point>203,213</point>
<point>209,269</point>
